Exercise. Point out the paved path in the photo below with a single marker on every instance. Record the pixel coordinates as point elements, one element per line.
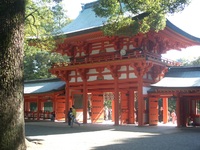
<point>59,136</point>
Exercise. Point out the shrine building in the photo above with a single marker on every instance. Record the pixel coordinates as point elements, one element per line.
<point>129,72</point>
<point>43,97</point>
<point>182,85</point>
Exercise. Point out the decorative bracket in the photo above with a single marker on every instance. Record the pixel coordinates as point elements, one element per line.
<point>81,46</point>
<point>141,68</point>
<point>83,73</point>
<point>64,75</point>
<point>118,42</point>
<point>158,71</point>
<point>114,70</point>
<point>100,76</point>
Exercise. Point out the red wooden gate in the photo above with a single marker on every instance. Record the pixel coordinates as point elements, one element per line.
<point>97,115</point>
<point>124,108</point>
<point>153,111</point>
<point>60,108</point>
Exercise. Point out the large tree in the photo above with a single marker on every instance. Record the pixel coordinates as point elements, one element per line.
<point>129,17</point>
<point>12,16</point>
<point>12,135</point>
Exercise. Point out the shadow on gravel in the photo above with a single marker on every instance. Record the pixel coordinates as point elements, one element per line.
<point>159,137</point>
<point>53,128</point>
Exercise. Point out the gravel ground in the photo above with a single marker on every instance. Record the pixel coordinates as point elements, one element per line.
<point>59,136</point>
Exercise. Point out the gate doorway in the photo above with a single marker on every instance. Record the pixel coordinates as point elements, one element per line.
<point>97,108</point>
<point>108,106</point>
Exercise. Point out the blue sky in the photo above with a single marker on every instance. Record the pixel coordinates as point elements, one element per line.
<point>187,20</point>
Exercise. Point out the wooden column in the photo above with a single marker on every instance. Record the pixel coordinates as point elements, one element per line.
<point>65,77</point>
<point>26,106</point>
<point>54,103</point>
<point>131,107</point>
<point>85,101</point>
<point>42,106</point>
<point>140,69</point>
<point>140,102</point>
<point>67,99</point>
<point>178,111</point>
<point>113,109</point>
<point>83,74</point>
<point>38,108</point>
<point>115,75</point>
<point>165,110</point>
<point>116,101</point>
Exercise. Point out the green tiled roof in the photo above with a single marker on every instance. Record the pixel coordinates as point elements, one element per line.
<point>87,21</point>
<point>178,82</point>
<point>180,77</point>
<point>184,72</point>
<point>43,86</point>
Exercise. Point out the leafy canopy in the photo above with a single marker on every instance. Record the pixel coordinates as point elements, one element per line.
<point>38,63</point>
<point>188,62</point>
<point>129,17</point>
<point>43,18</point>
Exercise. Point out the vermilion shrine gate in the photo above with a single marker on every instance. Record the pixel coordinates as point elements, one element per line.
<point>120,69</point>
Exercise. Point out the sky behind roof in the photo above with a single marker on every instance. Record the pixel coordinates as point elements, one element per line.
<point>187,20</point>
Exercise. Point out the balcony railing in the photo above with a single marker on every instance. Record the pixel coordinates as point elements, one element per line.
<point>106,57</point>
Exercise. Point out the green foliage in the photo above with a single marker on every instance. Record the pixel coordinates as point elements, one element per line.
<point>171,104</point>
<point>183,61</point>
<point>195,62</point>
<point>38,62</point>
<point>123,15</point>
<point>43,18</point>
<point>108,103</point>
<point>186,62</point>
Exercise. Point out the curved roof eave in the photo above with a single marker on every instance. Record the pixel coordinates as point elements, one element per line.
<point>170,82</point>
<point>43,86</point>
<point>88,22</point>
<point>180,31</point>
<point>180,77</point>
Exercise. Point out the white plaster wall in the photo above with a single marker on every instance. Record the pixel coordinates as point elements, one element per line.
<point>110,50</point>
<point>132,75</point>
<point>108,77</point>
<point>92,78</point>
<point>95,52</point>
<point>106,70</point>
<point>130,68</point>
<point>82,54</point>
<point>123,76</point>
<point>79,79</point>
<point>72,73</point>
<point>72,80</point>
<point>123,68</point>
<point>92,71</point>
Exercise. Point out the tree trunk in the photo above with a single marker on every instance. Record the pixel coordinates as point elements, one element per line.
<point>12,134</point>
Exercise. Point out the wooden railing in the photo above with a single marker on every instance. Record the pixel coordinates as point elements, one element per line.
<point>33,115</point>
<point>106,57</point>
